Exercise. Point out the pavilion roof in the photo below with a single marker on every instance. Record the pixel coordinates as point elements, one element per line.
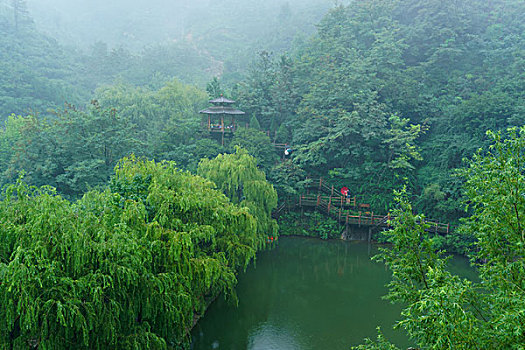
<point>221,110</point>
<point>221,100</point>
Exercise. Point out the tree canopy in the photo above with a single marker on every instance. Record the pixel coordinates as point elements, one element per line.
<point>445,311</point>
<point>129,267</point>
<point>237,176</point>
<point>394,90</point>
<point>101,249</point>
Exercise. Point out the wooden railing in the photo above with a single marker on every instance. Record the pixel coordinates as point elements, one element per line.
<point>326,198</point>
<point>336,209</point>
<point>281,145</point>
<point>321,186</point>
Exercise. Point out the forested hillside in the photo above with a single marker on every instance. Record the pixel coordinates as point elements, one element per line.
<point>395,90</point>
<point>109,239</point>
<point>72,48</point>
<point>386,92</point>
<point>40,74</point>
<point>196,40</point>
<point>36,73</point>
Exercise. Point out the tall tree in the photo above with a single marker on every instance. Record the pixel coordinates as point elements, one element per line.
<point>19,12</point>
<point>75,151</point>
<point>214,89</point>
<point>444,311</point>
<point>258,144</point>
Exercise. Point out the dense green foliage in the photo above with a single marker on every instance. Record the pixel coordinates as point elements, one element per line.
<point>387,92</point>
<point>238,177</point>
<point>125,268</point>
<point>146,45</point>
<point>35,72</point>
<point>309,224</point>
<point>258,144</point>
<point>72,152</point>
<point>76,150</point>
<point>165,119</point>
<point>444,311</point>
<point>395,90</point>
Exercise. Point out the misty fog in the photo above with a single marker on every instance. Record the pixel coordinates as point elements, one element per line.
<point>136,23</point>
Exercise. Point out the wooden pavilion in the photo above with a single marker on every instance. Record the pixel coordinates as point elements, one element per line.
<point>221,117</point>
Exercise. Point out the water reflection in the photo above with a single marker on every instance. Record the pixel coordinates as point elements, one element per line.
<point>274,336</point>
<point>305,294</point>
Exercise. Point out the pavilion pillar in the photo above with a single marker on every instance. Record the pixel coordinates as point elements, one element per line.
<point>221,107</point>
<point>222,129</point>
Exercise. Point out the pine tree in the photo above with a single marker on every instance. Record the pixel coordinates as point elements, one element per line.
<point>254,123</point>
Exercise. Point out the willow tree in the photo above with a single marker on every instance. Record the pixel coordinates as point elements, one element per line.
<point>126,268</point>
<point>238,177</point>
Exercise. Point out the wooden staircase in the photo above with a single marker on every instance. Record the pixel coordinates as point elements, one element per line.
<point>323,197</point>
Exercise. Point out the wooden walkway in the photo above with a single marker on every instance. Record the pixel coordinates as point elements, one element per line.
<point>327,199</point>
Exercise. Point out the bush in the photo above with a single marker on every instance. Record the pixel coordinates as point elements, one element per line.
<point>309,224</point>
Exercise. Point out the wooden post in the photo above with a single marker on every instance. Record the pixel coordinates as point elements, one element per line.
<point>340,209</point>
<point>308,186</point>
<point>222,129</point>
<point>329,204</point>
<point>300,202</point>
<point>318,200</point>
<point>372,218</point>
<point>359,220</point>
<point>369,235</point>
<point>332,191</point>
<point>448,228</point>
<point>346,225</point>
<point>209,122</point>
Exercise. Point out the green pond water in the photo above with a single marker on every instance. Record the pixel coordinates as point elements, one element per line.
<point>306,294</point>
